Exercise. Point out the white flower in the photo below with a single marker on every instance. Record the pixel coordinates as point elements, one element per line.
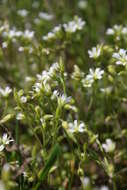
<point>20,116</point>
<point>49,36</point>
<point>5,140</point>
<point>55,94</point>
<point>92,76</point>
<point>76,127</point>
<point>21,49</point>
<point>37,87</point>
<point>70,27</point>
<point>57,29</point>
<point>87,82</point>
<point>45,16</point>
<point>22,12</point>
<point>12,33</point>
<point>44,77</point>
<point>74,25</point>
<point>95,52</point>
<point>23,99</point>
<point>95,74</point>
<point>121,57</point>
<point>124,30</point>
<point>5,92</point>
<point>63,99</point>
<point>109,146</point>
<point>116,29</point>
<point>110,31</point>
<point>28,34</point>
<point>4,45</point>
<point>53,69</point>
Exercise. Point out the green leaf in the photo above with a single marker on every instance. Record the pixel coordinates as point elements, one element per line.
<point>50,162</point>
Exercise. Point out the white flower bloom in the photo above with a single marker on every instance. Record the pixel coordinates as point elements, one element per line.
<point>76,127</point>
<point>37,87</point>
<point>57,29</point>
<point>21,49</point>
<point>74,25</point>
<point>45,16</point>
<point>5,92</point>
<point>70,27</point>
<point>20,116</point>
<point>22,12</point>
<point>28,34</point>
<point>4,45</point>
<point>87,82</point>
<point>63,99</point>
<point>95,52</point>
<point>23,99</point>
<point>110,31</point>
<point>53,69</point>
<point>95,74</point>
<point>121,57</point>
<point>55,94</point>
<point>44,77</point>
<point>14,33</point>
<point>124,30</point>
<point>109,146</point>
<point>49,36</point>
<point>92,76</point>
<point>116,29</point>
<point>5,140</point>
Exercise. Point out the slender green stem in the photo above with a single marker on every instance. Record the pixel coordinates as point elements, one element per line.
<point>37,138</point>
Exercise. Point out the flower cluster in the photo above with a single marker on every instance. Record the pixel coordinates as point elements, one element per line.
<point>14,33</point>
<point>92,76</point>
<point>117,29</point>
<point>45,79</point>
<point>74,25</point>
<point>69,27</point>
